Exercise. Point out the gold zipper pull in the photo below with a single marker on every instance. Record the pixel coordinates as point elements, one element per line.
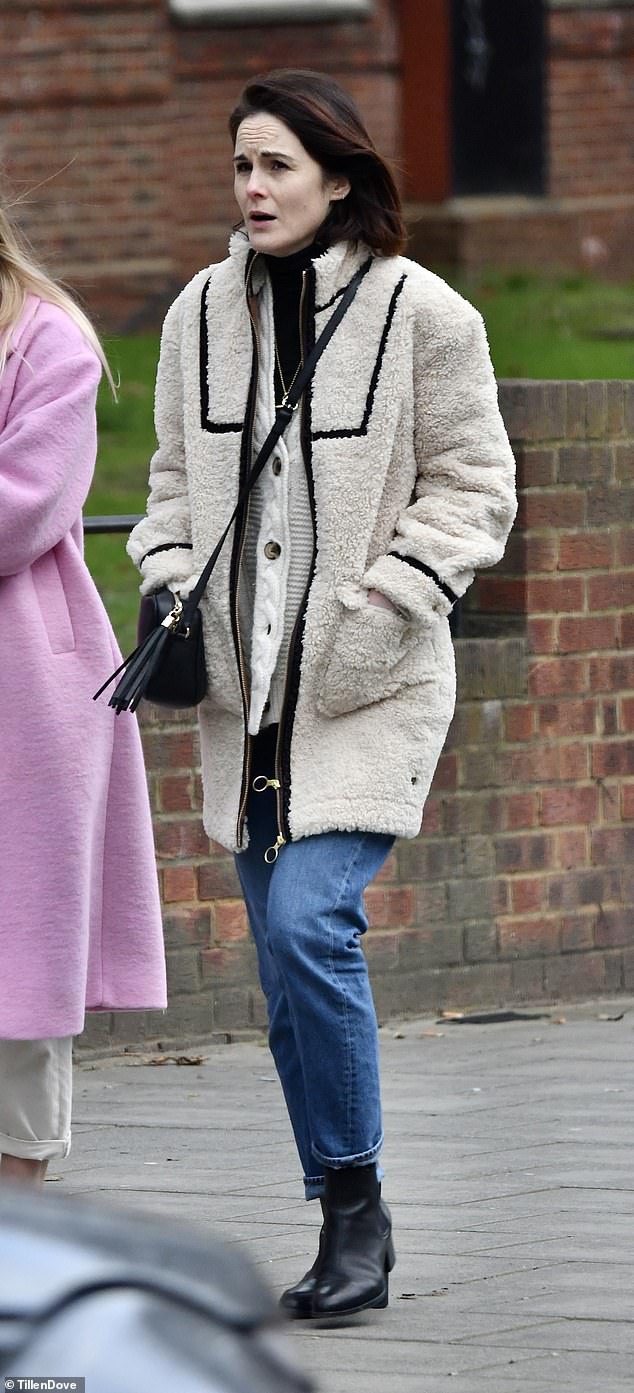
<point>272,852</point>
<point>261,783</point>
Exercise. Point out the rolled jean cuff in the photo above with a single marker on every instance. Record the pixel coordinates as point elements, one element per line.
<point>361,1158</point>
<point>314,1186</point>
<point>35,1150</point>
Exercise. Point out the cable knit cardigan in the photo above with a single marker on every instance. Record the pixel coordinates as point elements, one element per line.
<point>411,484</point>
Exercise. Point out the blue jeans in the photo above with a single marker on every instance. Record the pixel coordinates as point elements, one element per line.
<point>307,917</point>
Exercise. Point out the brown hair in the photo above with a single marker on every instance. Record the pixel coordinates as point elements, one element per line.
<point>326,120</point>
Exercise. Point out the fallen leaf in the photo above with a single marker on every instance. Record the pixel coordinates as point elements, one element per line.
<point>559,1020</point>
<point>431,1035</point>
<point>452,1015</point>
<point>611,1018</point>
<point>407,1296</point>
<point>398,1035</point>
<point>176,1059</point>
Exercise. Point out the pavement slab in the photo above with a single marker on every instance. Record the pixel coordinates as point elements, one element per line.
<point>508,1171</point>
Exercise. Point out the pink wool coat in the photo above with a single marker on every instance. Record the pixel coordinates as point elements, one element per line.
<point>80,921</point>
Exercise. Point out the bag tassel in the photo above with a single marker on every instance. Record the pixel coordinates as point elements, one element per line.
<point>137,670</point>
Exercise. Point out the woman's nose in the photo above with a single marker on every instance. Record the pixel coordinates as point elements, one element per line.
<point>256,184</point>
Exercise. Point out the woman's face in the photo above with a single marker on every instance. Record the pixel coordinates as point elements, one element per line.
<point>282,193</point>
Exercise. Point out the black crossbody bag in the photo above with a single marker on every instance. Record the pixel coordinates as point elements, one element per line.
<point>168,666</point>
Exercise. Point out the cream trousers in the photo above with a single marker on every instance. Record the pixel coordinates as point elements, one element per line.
<point>36,1085</point>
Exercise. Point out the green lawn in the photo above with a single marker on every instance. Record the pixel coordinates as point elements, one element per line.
<point>538,327</point>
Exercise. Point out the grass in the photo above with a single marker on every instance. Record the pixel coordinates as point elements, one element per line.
<point>565,327</point>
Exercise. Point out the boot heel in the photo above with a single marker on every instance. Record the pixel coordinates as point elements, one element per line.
<point>390,1255</point>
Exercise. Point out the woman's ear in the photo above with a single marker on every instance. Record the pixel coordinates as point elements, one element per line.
<point>339,188</point>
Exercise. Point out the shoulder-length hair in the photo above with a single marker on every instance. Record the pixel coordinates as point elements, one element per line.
<point>20,275</point>
<point>328,123</point>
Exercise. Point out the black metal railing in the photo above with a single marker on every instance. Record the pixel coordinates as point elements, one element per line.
<point>113,522</point>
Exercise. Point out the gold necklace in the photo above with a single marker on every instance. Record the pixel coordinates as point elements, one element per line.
<point>285,389</point>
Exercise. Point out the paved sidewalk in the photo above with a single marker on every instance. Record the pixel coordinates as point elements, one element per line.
<point>509,1173</point>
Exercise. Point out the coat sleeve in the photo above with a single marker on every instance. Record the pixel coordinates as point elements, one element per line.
<point>49,441</point>
<point>465,501</point>
<point>161,544</point>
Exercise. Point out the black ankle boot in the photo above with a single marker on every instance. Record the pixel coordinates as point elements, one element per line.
<point>297,1300</point>
<point>357,1252</point>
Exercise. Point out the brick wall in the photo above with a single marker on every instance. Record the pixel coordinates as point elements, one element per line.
<point>116,118</point>
<point>521,885</point>
<point>591,101</point>
<point>113,131</point>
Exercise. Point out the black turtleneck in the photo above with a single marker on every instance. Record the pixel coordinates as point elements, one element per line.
<point>286,274</point>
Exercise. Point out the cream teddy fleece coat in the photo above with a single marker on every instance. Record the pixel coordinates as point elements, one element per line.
<point>411,480</point>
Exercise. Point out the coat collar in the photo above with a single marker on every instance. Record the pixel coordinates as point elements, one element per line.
<point>334,268</point>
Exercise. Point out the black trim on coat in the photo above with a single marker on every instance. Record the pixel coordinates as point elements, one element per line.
<point>214,427</point>
<point>349,433</point>
<point>449,594</point>
<point>166,546</point>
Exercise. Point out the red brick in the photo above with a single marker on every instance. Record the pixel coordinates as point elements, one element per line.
<point>614,674</point>
<point>388,908</point>
<point>586,551</point>
<point>567,718</point>
<point>526,894</point>
<point>528,937</point>
<point>625,547</point>
<point>586,633</point>
<point>525,852</point>
<point>519,723</point>
<point>627,802</point>
<point>555,596</point>
<point>612,757</point>
<point>541,634</point>
<point>558,677</point>
<point>180,838</point>
<point>218,879</point>
<point>175,793</point>
<point>186,924</point>
<point>613,928</point>
<point>574,761</point>
<point>569,805</point>
<point>572,850</point>
<point>498,594</point>
<point>179,884</point>
<point>577,933</point>
<point>231,923</point>
<point>613,846</point>
<point>520,810</point>
<point>551,509</point>
<point>169,749</point>
<point>446,775</point>
<point>611,591</point>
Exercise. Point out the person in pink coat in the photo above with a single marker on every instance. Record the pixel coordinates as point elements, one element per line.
<point>80,919</point>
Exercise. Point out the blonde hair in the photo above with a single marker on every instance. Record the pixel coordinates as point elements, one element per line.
<point>20,276</point>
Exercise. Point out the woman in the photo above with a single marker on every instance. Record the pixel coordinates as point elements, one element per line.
<point>331,673</point>
<point>80,924</point>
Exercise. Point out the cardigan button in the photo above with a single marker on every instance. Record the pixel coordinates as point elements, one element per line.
<point>272,550</point>
<point>277,465</point>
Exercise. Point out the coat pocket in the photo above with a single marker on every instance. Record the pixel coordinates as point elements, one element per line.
<point>374,655</point>
<point>51,598</point>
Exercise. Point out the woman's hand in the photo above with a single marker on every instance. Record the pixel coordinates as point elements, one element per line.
<point>376,597</point>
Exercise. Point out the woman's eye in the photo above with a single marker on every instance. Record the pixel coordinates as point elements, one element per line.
<point>242,167</point>
<point>278,164</point>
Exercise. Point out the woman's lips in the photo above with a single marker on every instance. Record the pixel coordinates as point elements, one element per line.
<point>260,218</point>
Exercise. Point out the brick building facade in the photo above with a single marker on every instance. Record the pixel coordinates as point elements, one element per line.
<point>113,130</point>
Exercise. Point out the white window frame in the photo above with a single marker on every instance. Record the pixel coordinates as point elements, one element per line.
<point>271,11</point>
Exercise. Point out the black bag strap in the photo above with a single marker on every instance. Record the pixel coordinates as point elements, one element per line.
<point>283,415</point>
